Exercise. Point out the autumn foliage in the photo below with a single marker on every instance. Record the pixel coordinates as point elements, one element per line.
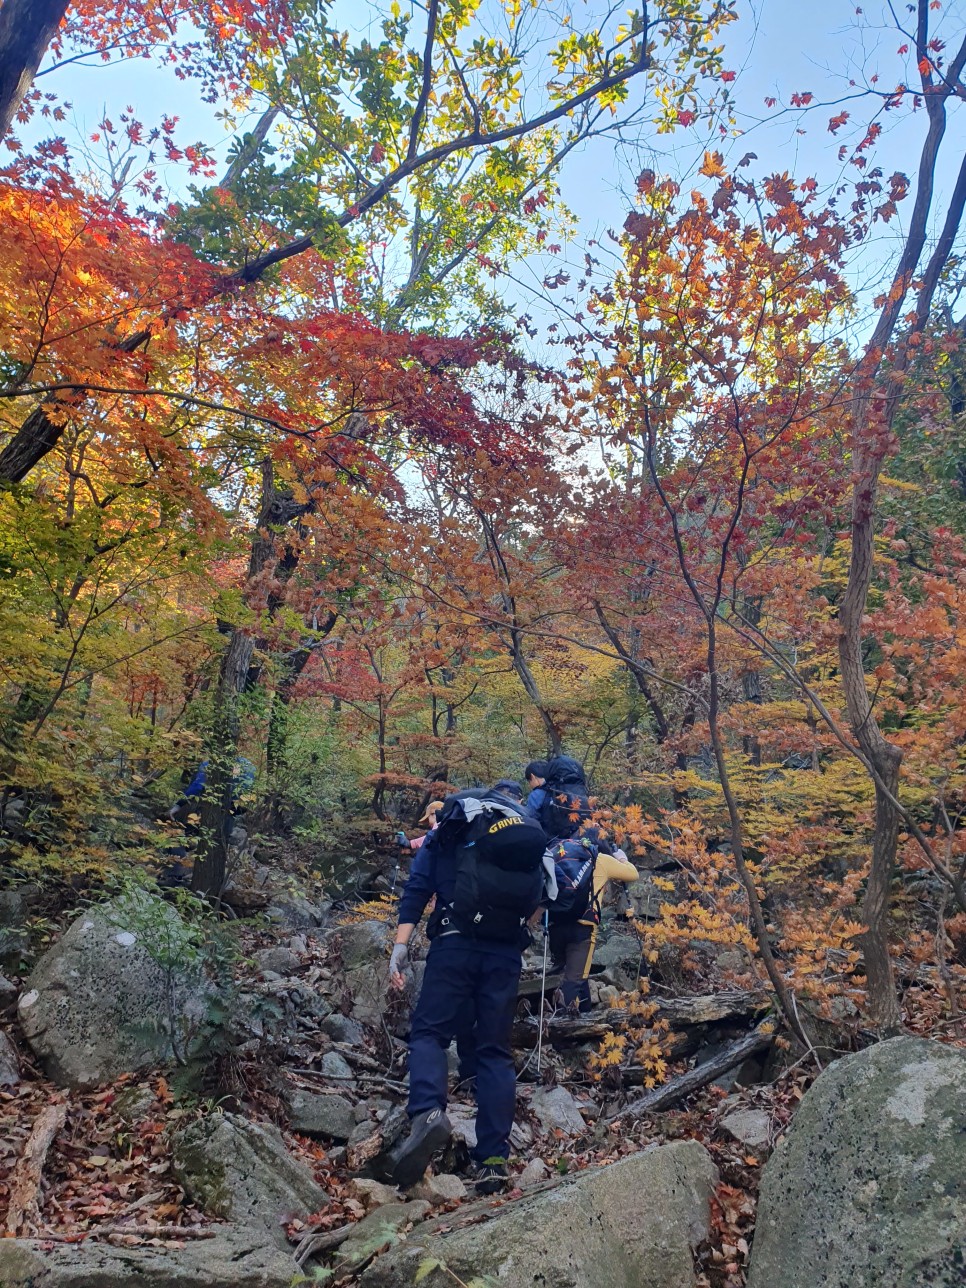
<point>284,478</point>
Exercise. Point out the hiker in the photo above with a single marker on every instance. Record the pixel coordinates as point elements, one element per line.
<point>534,776</point>
<point>563,808</point>
<point>484,864</point>
<point>583,869</point>
<point>429,820</point>
<point>466,1038</point>
<point>242,782</point>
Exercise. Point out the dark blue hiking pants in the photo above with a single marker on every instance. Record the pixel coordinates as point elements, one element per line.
<point>467,985</point>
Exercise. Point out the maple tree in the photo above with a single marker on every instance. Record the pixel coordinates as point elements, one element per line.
<point>257,489</point>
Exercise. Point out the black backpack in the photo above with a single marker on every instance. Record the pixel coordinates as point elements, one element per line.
<point>500,875</point>
<point>574,863</point>
<point>565,808</point>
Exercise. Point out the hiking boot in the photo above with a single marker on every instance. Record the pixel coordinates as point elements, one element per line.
<point>491,1176</point>
<point>429,1132</point>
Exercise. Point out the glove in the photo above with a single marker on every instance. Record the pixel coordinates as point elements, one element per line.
<point>401,838</point>
<point>399,959</point>
<point>620,854</point>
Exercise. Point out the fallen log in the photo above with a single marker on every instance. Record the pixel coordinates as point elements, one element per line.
<point>679,1012</point>
<point>24,1205</point>
<point>182,1232</point>
<point>677,1088</point>
<point>535,986</point>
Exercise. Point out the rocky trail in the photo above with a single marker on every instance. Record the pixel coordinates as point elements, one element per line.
<point>163,1124</point>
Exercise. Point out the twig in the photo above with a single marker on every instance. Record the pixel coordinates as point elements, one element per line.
<point>321,1241</point>
<point>25,1181</point>
<point>377,1078</point>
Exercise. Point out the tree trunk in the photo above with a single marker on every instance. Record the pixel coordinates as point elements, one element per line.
<point>26,29</point>
<point>277,510</point>
<point>211,865</point>
<point>884,758</point>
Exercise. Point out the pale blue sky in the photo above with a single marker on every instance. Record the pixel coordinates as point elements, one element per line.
<point>776,48</point>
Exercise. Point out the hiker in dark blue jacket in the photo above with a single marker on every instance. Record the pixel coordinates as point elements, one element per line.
<point>535,775</point>
<point>471,982</point>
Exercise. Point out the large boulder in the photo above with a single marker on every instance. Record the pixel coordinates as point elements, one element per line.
<point>117,993</point>
<point>242,1171</point>
<point>631,1225</point>
<point>230,1259</point>
<point>869,1186</point>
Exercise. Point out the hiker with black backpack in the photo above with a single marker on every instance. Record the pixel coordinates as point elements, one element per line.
<point>584,864</point>
<point>564,805</point>
<point>485,866</point>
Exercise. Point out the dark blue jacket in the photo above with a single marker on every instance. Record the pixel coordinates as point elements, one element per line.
<point>534,801</point>
<point>433,872</point>
<point>427,877</point>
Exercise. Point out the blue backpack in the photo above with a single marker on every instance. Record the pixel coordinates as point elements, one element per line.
<point>573,863</point>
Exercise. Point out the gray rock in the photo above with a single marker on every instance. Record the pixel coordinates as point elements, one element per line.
<point>463,1121</point>
<point>114,995</point>
<point>373,1194</point>
<point>316,1114</point>
<point>751,1127</point>
<point>336,1066</point>
<point>647,896</point>
<point>280,960</point>
<point>868,1187</point>
<point>9,1062</point>
<point>14,937</point>
<point>293,912</point>
<point>380,1228</point>
<point>241,1171</point>
<point>631,1225</point>
<point>619,957</point>
<point>557,1111</point>
<point>366,988</point>
<point>365,943</point>
<point>14,944</point>
<point>445,1188</point>
<point>298,944</point>
<point>359,1133</point>
<point>8,995</point>
<point>231,1259</point>
<point>341,1029</point>
<point>535,1173</point>
<point>134,1103</point>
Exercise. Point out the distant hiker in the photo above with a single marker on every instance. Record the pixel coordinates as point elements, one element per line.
<point>242,782</point>
<point>428,819</point>
<point>564,807</point>
<point>534,776</point>
<point>484,864</point>
<point>583,869</point>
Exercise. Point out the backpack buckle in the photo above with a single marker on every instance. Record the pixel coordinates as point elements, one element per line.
<point>477,918</point>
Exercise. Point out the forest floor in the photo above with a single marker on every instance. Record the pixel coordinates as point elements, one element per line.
<point>109,1174</point>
